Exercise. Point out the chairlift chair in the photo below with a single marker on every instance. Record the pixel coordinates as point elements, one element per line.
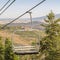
<point>30,42</point>
<point>29,38</point>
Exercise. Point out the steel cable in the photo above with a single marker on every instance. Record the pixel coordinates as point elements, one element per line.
<point>7,7</point>
<point>22,14</point>
<point>4,5</point>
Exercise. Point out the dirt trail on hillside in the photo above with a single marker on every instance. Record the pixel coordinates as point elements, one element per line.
<point>17,39</point>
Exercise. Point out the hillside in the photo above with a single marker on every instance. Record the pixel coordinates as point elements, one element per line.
<point>19,39</point>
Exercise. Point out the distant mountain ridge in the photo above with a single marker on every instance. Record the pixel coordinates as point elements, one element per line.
<point>37,19</point>
<point>35,23</point>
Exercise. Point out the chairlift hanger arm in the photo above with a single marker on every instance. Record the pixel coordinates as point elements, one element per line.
<point>23,14</point>
<point>7,7</point>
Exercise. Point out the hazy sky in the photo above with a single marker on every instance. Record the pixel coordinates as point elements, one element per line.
<point>20,6</point>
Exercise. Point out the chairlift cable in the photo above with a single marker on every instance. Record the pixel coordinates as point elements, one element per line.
<point>7,7</point>
<point>4,5</point>
<point>23,14</point>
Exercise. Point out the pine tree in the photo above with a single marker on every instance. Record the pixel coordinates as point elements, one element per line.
<point>1,49</point>
<point>50,44</point>
<point>8,50</point>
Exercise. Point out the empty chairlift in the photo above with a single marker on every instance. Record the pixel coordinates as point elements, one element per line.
<point>25,41</point>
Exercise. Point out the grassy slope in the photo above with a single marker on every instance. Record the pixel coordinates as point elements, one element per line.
<point>18,39</point>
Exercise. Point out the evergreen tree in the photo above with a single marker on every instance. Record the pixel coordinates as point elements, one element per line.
<point>8,50</point>
<point>1,49</point>
<point>50,44</point>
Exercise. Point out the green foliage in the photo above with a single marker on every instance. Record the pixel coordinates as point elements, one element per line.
<point>8,50</point>
<point>51,42</point>
<point>1,49</point>
<point>16,57</point>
